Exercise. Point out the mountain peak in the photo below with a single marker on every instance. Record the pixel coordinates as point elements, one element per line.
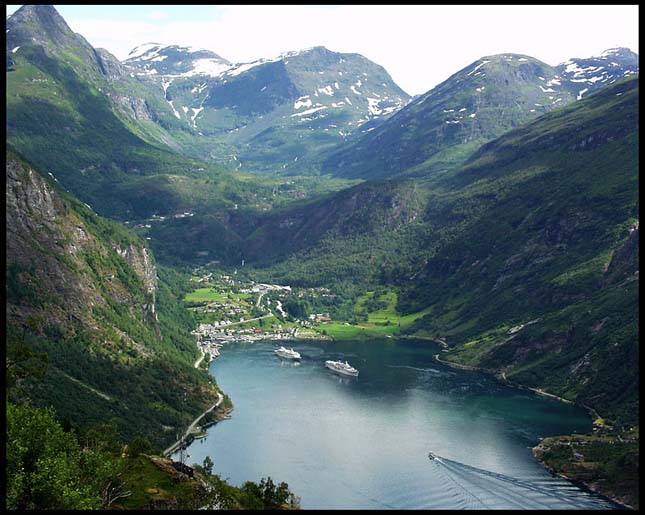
<point>40,22</point>
<point>617,51</point>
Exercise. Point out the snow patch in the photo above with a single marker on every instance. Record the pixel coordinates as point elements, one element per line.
<point>142,49</point>
<point>373,105</point>
<point>353,88</point>
<point>302,103</point>
<point>477,67</point>
<point>207,66</point>
<point>15,50</point>
<point>196,111</point>
<point>472,115</point>
<point>165,84</point>
<point>309,111</point>
<point>173,109</point>
<point>198,89</point>
<point>582,92</point>
<point>348,101</point>
<point>327,90</point>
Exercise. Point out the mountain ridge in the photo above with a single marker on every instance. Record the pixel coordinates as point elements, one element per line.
<point>483,100</point>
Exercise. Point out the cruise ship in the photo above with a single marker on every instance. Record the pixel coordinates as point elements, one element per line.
<point>341,368</point>
<point>287,353</point>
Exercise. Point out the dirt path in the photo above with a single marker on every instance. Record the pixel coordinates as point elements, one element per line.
<point>93,390</point>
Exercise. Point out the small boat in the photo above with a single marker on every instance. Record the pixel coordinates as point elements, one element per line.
<point>342,368</point>
<point>431,456</point>
<point>283,352</point>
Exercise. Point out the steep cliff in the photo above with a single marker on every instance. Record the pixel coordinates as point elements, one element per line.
<point>83,291</point>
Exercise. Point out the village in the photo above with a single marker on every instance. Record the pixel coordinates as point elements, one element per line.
<point>232,310</point>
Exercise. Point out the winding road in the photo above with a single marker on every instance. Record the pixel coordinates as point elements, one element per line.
<point>176,445</point>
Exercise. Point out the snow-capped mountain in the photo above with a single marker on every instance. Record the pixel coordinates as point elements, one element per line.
<point>587,75</point>
<point>490,96</point>
<point>270,108</point>
<point>175,61</point>
<point>481,101</point>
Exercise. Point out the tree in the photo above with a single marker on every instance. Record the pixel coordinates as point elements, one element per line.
<point>45,464</point>
<point>21,362</point>
<point>140,445</point>
<point>208,465</point>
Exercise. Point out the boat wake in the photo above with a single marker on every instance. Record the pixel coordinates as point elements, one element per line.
<point>484,489</point>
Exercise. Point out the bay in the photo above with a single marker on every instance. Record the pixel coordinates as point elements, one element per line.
<point>363,443</point>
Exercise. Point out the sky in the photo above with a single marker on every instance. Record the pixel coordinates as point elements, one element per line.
<point>419,45</point>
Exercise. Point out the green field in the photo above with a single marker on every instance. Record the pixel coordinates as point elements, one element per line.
<point>383,322</point>
<point>211,295</point>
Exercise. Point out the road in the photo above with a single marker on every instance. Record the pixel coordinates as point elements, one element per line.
<point>176,445</point>
<point>245,321</point>
<point>200,358</point>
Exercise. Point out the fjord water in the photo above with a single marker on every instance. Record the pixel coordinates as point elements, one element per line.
<point>344,442</point>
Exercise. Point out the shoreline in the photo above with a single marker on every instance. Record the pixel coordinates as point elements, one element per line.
<point>501,377</point>
<point>179,443</point>
<point>579,483</point>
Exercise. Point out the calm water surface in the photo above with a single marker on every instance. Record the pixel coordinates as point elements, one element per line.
<point>343,442</point>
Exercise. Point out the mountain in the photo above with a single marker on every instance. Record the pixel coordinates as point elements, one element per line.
<point>175,61</point>
<point>440,129</point>
<point>524,259</point>
<point>88,294</point>
<point>539,280</point>
<point>584,76</point>
<point>267,114</point>
<point>110,147</point>
<point>319,241</point>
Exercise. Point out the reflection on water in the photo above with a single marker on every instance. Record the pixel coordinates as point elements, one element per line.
<point>362,442</point>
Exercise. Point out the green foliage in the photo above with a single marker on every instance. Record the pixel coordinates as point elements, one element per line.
<point>46,468</point>
<point>140,445</point>
<point>610,462</point>
<point>21,362</point>
<point>263,496</point>
<point>540,234</point>
<point>208,465</point>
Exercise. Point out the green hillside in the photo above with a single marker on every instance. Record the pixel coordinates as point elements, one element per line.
<point>547,239</point>
<point>86,292</point>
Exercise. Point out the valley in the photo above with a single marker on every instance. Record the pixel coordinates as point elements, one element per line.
<point>175,215</point>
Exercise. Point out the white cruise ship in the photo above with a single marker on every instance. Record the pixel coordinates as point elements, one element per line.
<point>287,353</point>
<point>342,368</point>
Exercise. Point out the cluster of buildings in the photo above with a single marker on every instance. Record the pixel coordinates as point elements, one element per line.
<point>319,318</point>
<point>211,337</point>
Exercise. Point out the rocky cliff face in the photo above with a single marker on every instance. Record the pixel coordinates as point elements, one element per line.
<point>142,263</point>
<point>62,268</point>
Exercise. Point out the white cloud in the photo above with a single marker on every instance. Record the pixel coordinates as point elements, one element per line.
<point>158,15</point>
